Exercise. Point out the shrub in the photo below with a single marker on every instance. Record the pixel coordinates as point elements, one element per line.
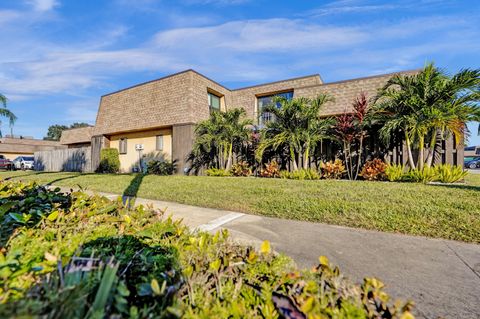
<point>271,170</point>
<point>447,173</point>
<point>99,259</point>
<point>109,161</point>
<point>332,169</point>
<point>218,172</point>
<point>374,170</point>
<point>160,167</point>
<point>301,174</point>
<point>395,172</point>
<point>241,169</point>
<point>425,175</point>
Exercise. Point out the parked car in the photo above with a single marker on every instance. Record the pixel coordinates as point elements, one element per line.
<point>5,163</point>
<point>474,163</point>
<point>23,162</point>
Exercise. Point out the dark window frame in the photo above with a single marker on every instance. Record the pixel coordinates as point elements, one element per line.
<point>122,145</point>
<point>266,117</point>
<point>210,107</point>
<point>157,139</point>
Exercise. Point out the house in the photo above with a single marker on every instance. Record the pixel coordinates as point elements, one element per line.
<point>12,147</point>
<point>159,116</point>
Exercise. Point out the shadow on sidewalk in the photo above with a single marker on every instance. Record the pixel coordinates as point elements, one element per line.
<point>130,193</point>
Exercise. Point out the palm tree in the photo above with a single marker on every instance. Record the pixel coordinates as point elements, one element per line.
<point>425,105</point>
<point>296,127</point>
<point>4,112</point>
<point>218,138</point>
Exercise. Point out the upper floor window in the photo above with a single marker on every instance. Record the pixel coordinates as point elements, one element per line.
<point>122,146</point>
<point>213,102</point>
<point>268,100</point>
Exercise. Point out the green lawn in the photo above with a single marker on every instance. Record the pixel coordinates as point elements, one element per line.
<point>451,211</point>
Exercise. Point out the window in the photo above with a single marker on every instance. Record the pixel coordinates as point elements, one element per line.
<point>268,100</point>
<point>122,146</point>
<point>213,102</point>
<point>159,144</point>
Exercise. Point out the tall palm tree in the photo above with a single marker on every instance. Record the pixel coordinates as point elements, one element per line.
<point>425,105</point>
<point>4,112</point>
<point>296,127</point>
<point>218,138</point>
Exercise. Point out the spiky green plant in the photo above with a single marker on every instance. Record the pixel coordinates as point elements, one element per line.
<point>447,173</point>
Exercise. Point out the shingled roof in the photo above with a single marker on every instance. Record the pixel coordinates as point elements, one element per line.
<point>181,99</point>
<point>77,135</point>
<point>26,145</point>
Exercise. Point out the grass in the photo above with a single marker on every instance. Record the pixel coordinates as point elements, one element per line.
<point>441,211</point>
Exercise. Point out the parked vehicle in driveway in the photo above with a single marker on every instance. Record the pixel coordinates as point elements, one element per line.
<point>23,162</point>
<point>5,163</point>
<point>474,163</point>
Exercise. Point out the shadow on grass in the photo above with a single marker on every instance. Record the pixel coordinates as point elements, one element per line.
<point>457,186</point>
<point>130,193</point>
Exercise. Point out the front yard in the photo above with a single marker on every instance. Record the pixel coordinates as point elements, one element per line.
<point>451,212</point>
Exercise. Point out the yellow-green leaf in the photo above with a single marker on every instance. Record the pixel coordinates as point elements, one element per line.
<point>308,304</point>
<point>53,216</point>
<point>323,261</point>
<point>215,265</point>
<point>265,247</point>
<point>155,287</point>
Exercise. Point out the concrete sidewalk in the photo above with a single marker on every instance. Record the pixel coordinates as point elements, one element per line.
<point>441,276</point>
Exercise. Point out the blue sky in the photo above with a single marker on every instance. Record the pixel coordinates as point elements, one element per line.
<point>58,57</point>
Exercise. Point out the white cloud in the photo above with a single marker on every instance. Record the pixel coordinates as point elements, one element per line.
<point>245,50</point>
<point>43,5</point>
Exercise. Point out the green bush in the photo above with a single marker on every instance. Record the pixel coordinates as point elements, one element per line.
<point>301,174</point>
<point>241,169</point>
<point>160,167</point>
<point>109,161</point>
<point>99,259</point>
<point>447,173</point>
<point>425,175</point>
<point>395,172</point>
<point>218,172</point>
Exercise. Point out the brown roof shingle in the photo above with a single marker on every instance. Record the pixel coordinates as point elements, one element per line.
<point>77,135</point>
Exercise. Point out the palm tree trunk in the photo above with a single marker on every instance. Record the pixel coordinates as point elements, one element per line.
<point>230,156</point>
<point>421,151</point>
<point>292,157</point>
<point>411,162</point>
<point>306,157</point>
<point>431,154</point>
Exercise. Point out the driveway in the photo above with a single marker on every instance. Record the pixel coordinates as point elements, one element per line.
<point>441,276</point>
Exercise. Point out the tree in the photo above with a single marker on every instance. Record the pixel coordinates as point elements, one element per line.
<point>428,105</point>
<point>4,112</point>
<point>219,138</point>
<point>350,131</point>
<point>55,131</point>
<point>297,127</point>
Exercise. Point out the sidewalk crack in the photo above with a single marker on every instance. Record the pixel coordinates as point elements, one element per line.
<point>460,257</point>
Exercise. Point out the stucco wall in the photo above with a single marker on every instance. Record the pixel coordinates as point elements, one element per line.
<point>148,139</point>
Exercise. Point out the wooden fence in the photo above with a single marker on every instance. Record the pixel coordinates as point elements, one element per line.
<point>64,160</point>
